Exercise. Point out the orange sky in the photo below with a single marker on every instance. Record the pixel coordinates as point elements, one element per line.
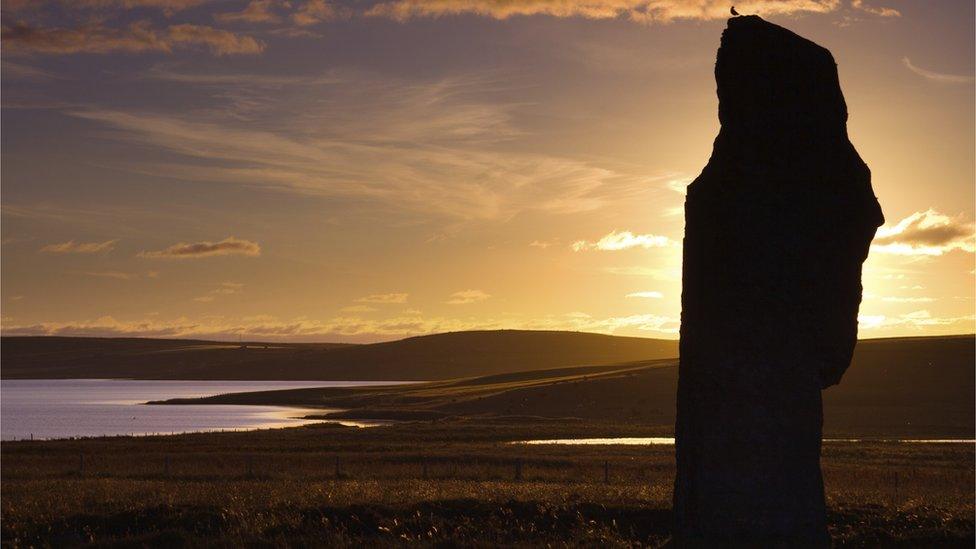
<point>362,171</point>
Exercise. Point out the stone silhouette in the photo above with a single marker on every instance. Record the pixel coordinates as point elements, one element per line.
<point>776,229</point>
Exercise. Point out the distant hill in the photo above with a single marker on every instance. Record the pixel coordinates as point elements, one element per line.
<point>441,356</point>
<point>903,387</point>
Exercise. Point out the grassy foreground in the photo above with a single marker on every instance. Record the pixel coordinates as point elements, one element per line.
<point>450,481</point>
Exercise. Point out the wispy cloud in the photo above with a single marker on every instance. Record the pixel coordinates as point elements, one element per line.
<point>644,11</point>
<point>881,11</point>
<point>256,11</point>
<point>228,288</point>
<point>467,296</point>
<point>18,71</point>
<point>303,14</point>
<point>442,146</point>
<point>227,246</point>
<point>384,298</point>
<point>639,270</point>
<point>927,233</point>
<point>135,38</point>
<point>937,76</point>
<point>72,247</point>
<point>908,299</point>
<point>312,12</point>
<point>224,288</point>
<point>649,295</point>
<point>622,241</point>
<point>117,275</point>
<point>358,309</point>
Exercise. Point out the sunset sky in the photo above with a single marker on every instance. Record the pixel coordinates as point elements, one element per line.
<point>368,170</point>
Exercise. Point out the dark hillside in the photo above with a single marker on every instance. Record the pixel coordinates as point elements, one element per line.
<point>907,387</point>
<point>440,356</point>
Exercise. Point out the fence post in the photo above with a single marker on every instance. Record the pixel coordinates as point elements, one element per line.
<point>606,472</point>
<point>518,469</point>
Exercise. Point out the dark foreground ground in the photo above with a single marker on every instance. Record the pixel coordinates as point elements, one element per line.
<point>451,481</point>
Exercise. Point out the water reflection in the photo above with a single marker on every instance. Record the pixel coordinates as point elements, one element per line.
<point>64,408</point>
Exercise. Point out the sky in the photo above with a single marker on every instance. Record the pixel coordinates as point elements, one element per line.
<point>362,171</point>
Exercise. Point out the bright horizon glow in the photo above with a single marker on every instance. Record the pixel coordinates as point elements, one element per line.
<point>367,171</point>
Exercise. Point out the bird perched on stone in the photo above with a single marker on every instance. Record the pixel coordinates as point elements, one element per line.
<point>734,13</point>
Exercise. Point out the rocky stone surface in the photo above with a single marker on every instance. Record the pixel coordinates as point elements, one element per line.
<point>776,229</point>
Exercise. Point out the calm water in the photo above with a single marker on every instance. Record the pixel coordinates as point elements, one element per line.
<point>669,441</point>
<point>62,408</point>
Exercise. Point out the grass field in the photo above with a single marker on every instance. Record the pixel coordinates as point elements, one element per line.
<point>451,481</point>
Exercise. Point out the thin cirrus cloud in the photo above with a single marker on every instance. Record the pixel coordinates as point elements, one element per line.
<point>927,233</point>
<point>72,247</point>
<point>117,275</point>
<point>225,288</point>
<point>384,298</point>
<point>936,76</point>
<point>643,11</point>
<point>435,146</point>
<point>228,288</point>
<point>358,309</point>
<point>623,240</point>
<point>138,37</point>
<point>465,297</point>
<point>193,250</point>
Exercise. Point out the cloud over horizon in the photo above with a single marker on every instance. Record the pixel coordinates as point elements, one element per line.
<point>927,233</point>
<point>384,298</point>
<point>647,295</point>
<point>72,247</point>
<point>467,296</point>
<point>622,241</point>
<point>227,246</point>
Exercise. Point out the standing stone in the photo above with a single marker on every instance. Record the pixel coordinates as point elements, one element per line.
<point>776,229</point>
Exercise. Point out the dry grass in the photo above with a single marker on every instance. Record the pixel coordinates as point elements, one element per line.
<point>469,495</point>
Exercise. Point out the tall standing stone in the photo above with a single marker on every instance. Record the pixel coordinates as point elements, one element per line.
<point>776,229</point>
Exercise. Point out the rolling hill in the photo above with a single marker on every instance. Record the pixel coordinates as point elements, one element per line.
<point>440,356</point>
<point>902,387</point>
